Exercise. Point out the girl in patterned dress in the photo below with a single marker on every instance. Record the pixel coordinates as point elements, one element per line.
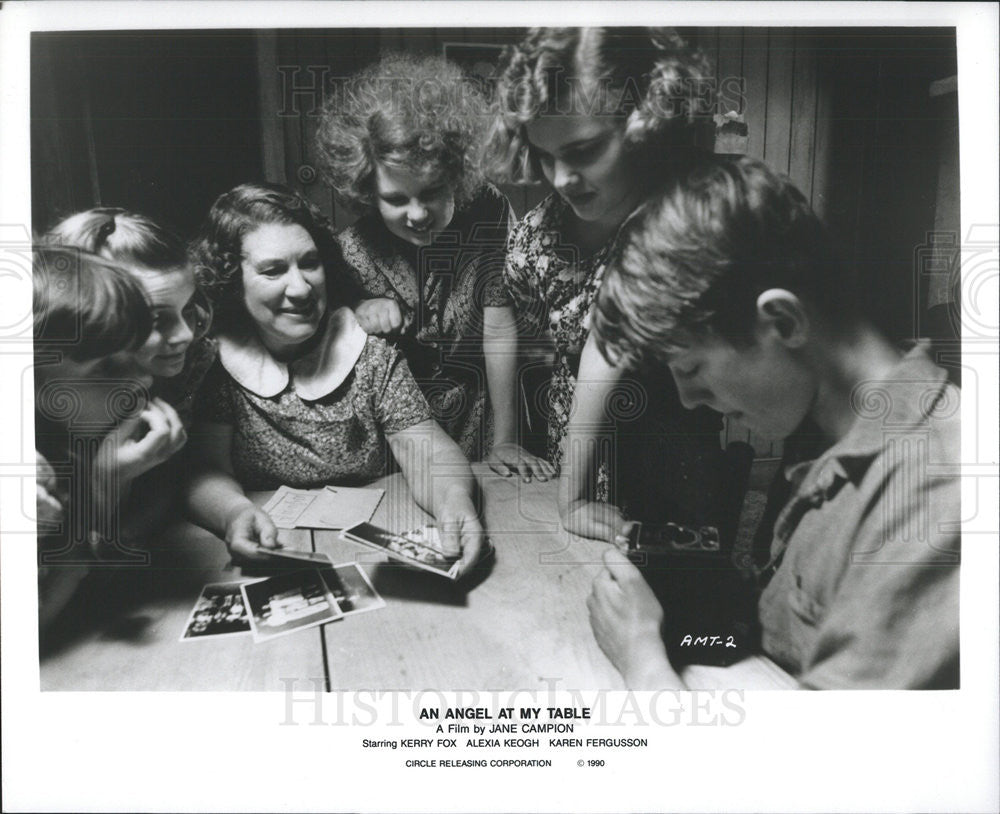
<point>301,395</point>
<point>602,115</point>
<point>401,143</point>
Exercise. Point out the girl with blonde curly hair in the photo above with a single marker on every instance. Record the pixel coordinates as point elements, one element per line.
<point>602,115</point>
<point>402,143</point>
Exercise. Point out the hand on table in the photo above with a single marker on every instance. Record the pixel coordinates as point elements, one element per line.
<point>248,530</point>
<point>598,521</point>
<point>380,315</point>
<point>512,459</point>
<point>141,443</point>
<point>461,531</point>
<point>626,618</point>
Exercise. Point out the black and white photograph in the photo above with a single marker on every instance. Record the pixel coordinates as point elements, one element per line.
<point>418,548</point>
<point>288,603</point>
<point>670,332</point>
<point>352,588</point>
<point>219,611</point>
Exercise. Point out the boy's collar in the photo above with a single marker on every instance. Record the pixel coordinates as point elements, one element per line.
<point>902,401</point>
<point>313,376</point>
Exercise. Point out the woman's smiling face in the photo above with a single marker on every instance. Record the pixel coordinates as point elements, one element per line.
<point>284,284</point>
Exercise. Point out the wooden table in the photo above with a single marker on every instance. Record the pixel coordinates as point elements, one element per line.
<point>519,623</point>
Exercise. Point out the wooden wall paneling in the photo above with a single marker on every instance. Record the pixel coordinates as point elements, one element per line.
<point>822,140</point>
<point>315,59</point>
<point>755,64</point>
<point>295,94</point>
<point>780,68</point>
<point>803,114</point>
<point>729,71</point>
<point>269,88</point>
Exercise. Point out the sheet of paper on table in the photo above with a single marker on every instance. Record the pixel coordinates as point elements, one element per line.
<point>332,507</point>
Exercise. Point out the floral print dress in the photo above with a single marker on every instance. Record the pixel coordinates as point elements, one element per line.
<point>666,458</point>
<point>553,288</point>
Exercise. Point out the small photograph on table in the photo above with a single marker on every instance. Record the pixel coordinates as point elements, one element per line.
<point>288,603</point>
<point>352,589</point>
<point>219,611</point>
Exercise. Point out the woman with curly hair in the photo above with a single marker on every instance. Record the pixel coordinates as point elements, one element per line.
<point>402,142</point>
<point>301,394</point>
<point>602,115</point>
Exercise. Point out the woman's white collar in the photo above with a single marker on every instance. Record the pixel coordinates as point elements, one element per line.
<point>313,376</point>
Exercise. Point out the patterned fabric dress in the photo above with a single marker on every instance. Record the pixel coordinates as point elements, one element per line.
<point>442,290</point>
<point>329,428</point>
<point>666,458</point>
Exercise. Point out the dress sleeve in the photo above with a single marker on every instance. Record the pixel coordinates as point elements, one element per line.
<point>213,404</point>
<point>359,266</point>
<point>493,218</point>
<point>524,273</point>
<point>893,622</point>
<point>396,397</point>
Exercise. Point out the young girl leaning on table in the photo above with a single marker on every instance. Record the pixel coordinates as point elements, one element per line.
<point>95,429</point>
<point>401,143</point>
<point>602,115</point>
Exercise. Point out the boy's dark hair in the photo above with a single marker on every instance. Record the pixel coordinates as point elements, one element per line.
<point>84,306</point>
<point>694,258</point>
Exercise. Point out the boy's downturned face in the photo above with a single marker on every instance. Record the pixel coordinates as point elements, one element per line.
<point>764,386</point>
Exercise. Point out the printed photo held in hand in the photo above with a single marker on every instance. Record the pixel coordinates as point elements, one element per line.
<point>727,281</point>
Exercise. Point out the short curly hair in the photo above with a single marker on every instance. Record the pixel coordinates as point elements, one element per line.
<point>694,258</point>
<point>650,76</point>
<point>218,249</point>
<point>419,113</point>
